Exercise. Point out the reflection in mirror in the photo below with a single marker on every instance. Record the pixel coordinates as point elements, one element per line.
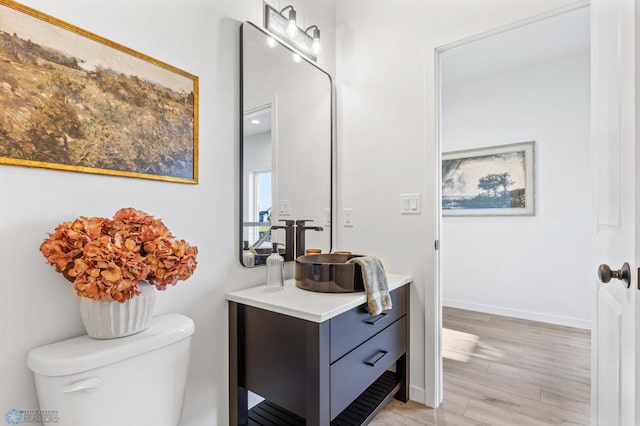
<point>286,151</point>
<point>258,180</point>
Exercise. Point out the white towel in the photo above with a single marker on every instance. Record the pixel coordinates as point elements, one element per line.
<point>375,283</point>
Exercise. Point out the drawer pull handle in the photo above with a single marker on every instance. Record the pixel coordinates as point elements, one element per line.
<point>374,360</point>
<point>373,320</point>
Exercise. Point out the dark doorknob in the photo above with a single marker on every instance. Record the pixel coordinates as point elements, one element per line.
<point>605,274</point>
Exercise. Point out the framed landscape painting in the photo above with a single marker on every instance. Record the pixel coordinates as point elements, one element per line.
<point>72,100</point>
<point>491,181</point>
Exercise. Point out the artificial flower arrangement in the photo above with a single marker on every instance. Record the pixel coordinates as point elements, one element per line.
<point>106,259</point>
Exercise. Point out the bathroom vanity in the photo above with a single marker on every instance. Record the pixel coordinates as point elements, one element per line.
<point>318,359</point>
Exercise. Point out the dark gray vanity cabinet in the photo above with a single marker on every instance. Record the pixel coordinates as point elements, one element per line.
<point>337,372</point>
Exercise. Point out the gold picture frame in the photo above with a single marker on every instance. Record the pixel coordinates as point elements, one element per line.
<point>72,100</point>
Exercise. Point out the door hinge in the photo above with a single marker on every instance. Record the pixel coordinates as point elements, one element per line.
<point>437,245</point>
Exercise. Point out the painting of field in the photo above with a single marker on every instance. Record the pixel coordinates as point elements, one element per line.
<point>488,181</point>
<point>71,100</point>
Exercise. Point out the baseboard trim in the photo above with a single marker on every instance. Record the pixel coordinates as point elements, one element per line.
<point>417,394</point>
<point>533,316</point>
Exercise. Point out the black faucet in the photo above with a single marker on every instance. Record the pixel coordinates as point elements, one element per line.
<point>300,231</point>
<point>289,235</point>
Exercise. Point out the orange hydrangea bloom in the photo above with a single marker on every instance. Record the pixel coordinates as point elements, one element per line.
<point>105,259</point>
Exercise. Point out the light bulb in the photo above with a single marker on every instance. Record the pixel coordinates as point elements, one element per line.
<point>271,42</point>
<point>292,28</point>
<point>254,121</point>
<point>316,47</point>
<point>315,36</point>
<point>296,58</point>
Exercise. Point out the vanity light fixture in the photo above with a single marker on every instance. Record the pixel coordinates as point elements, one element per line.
<point>315,44</point>
<point>282,25</point>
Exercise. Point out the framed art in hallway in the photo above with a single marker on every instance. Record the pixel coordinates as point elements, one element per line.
<point>72,100</point>
<point>489,181</point>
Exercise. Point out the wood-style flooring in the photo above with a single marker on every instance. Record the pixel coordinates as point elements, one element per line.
<point>519,373</point>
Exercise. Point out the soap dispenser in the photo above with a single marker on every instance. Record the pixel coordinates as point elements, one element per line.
<point>275,269</point>
<point>248,258</point>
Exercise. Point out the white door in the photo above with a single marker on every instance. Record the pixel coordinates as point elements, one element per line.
<point>614,159</point>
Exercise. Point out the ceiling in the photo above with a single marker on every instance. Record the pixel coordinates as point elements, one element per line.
<point>263,116</point>
<point>558,36</point>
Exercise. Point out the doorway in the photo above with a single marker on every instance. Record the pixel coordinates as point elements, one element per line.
<point>528,83</point>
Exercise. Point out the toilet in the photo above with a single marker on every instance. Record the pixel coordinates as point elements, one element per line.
<point>137,380</point>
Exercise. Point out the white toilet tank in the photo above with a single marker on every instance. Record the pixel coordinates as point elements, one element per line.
<point>136,380</point>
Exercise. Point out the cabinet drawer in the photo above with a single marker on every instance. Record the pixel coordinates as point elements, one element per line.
<point>353,327</point>
<point>352,374</point>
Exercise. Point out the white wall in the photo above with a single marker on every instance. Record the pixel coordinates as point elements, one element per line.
<point>201,37</point>
<point>385,78</point>
<point>532,267</point>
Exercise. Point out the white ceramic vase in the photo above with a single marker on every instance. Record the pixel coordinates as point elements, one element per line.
<point>104,319</point>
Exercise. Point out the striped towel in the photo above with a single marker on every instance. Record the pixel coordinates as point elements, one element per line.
<point>375,283</point>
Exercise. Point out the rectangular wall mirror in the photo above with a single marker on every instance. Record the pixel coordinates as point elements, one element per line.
<point>286,150</point>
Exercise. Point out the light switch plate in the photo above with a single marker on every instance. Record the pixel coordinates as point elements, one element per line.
<point>410,203</point>
<point>284,208</point>
<point>347,217</point>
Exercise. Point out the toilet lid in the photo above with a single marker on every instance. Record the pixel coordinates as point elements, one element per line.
<point>84,353</point>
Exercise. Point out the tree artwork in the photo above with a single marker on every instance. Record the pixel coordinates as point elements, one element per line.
<point>495,181</point>
<point>489,180</point>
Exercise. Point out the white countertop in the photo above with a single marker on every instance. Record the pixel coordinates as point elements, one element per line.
<point>304,304</point>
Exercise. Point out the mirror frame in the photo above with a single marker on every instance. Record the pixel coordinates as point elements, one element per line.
<point>241,152</point>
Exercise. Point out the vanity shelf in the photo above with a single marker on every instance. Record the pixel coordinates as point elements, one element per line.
<point>269,414</point>
<point>359,412</point>
<point>366,406</point>
<point>319,359</point>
